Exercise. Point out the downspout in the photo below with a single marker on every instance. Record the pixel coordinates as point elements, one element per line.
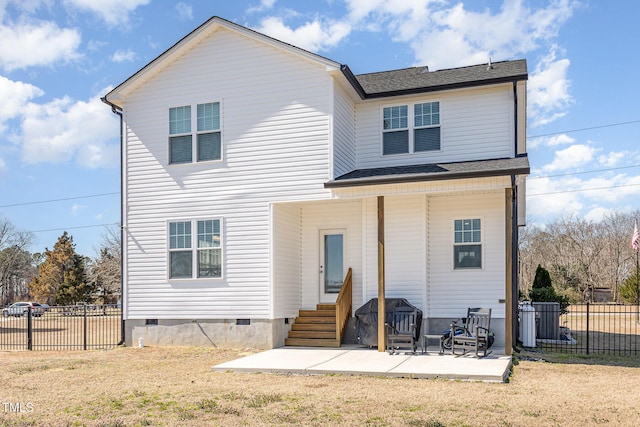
<point>117,110</point>
<point>515,273</point>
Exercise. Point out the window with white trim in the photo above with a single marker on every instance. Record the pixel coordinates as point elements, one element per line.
<point>411,130</point>
<point>467,243</point>
<point>202,260</point>
<point>207,144</point>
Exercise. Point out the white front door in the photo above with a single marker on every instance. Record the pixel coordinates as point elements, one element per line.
<point>333,261</point>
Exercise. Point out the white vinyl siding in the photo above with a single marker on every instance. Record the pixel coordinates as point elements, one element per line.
<point>451,291</point>
<point>344,150</point>
<point>286,259</point>
<point>475,124</point>
<point>405,248</point>
<point>276,136</point>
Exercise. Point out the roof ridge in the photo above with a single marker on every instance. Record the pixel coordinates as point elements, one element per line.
<point>483,64</point>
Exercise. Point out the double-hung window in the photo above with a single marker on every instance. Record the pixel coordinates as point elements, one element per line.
<point>395,130</point>
<point>195,249</point>
<point>411,128</point>
<point>207,139</point>
<point>426,126</point>
<point>467,243</point>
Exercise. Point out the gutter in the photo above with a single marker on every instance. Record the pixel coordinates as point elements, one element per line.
<point>449,86</point>
<point>351,78</point>
<point>117,110</point>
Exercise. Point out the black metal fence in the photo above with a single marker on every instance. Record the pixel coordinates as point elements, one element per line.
<point>77,327</point>
<point>582,328</point>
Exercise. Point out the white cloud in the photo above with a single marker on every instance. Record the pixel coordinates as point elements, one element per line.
<point>15,96</point>
<point>314,36</point>
<point>3,166</point>
<point>550,141</point>
<point>573,157</point>
<point>562,139</point>
<point>185,11</point>
<point>113,12</point>
<point>444,36</point>
<point>548,90</point>
<point>37,44</point>
<point>123,56</point>
<point>264,5</point>
<point>63,130</point>
<point>598,213</point>
<point>548,198</point>
<point>76,209</point>
<point>613,158</point>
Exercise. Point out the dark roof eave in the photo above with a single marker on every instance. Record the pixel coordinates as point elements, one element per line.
<point>425,177</point>
<point>353,81</point>
<point>450,86</point>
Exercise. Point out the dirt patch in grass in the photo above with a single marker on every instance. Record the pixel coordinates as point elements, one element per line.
<point>175,386</point>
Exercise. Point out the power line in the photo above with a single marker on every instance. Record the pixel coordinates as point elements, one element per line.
<point>75,228</point>
<point>584,172</point>
<point>583,129</point>
<point>58,200</point>
<point>582,189</point>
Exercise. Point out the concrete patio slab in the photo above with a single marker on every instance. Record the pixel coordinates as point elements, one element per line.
<point>364,361</point>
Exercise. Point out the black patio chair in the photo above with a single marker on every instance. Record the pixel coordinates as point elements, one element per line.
<point>402,330</point>
<point>473,335</point>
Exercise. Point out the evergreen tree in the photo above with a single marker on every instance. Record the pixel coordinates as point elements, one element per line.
<point>543,291</point>
<point>61,277</point>
<point>629,291</point>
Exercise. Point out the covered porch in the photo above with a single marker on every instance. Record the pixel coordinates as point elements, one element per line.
<point>396,230</point>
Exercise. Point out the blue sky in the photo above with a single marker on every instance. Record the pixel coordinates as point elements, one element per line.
<point>59,145</point>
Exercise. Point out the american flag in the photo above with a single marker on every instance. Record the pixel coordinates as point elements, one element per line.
<point>635,239</point>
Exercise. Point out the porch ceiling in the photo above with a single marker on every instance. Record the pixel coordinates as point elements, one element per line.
<point>432,172</point>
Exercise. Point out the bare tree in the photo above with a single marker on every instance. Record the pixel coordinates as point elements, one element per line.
<point>16,264</point>
<point>580,255</point>
<point>105,270</point>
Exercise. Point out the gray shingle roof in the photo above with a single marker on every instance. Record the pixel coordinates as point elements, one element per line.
<point>432,172</point>
<point>419,79</point>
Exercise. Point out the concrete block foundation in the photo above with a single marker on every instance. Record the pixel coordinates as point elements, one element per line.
<point>218,333</point>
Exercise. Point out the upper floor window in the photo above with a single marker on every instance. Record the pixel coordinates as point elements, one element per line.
<point>467,243</point>
<point>408,130</point>
<point>205,255</point>
<point>207,140</point>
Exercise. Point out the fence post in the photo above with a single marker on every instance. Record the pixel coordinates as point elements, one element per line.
<point>29,330</point>
<point>84,338</point>
<point>587,327</point>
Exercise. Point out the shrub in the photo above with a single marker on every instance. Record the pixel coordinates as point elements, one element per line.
<point>543,290</point>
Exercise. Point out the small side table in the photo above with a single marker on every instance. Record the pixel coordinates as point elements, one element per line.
<point>425,342</point>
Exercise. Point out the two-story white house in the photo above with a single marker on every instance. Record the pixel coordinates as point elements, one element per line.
<point>256,175</point>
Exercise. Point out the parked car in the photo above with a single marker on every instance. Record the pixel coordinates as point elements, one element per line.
<point>45,307</point>
<point>22,308</point>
